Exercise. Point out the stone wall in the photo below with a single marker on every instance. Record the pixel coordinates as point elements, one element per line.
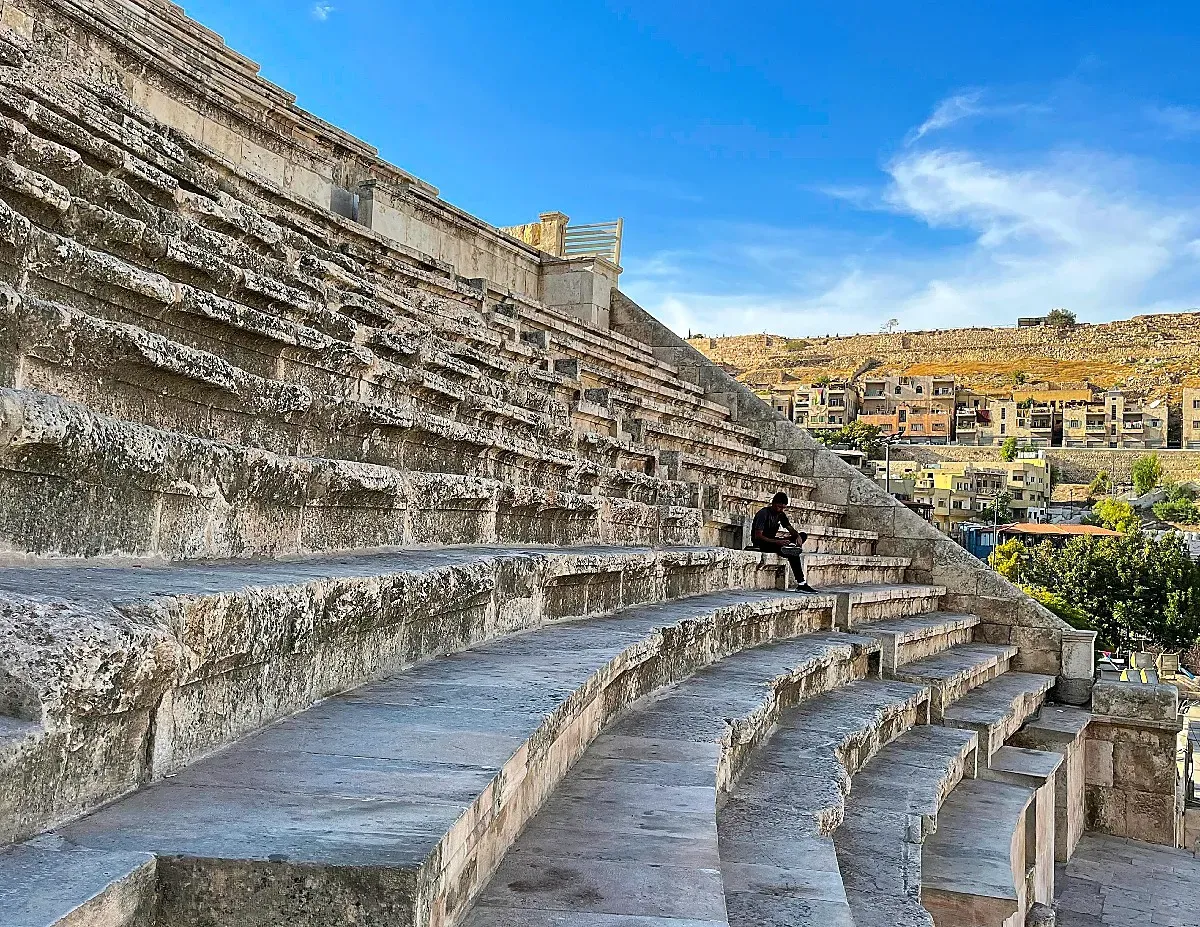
<point>1132,780</point>
<point>1074,465</point>
<point>147,49</point>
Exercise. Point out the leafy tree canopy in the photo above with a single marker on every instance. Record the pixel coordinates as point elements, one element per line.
<point>1060,318</point>
<point>1147,472</point>
<point>1102,485</point>
<point>999,510</point>
<point>1008,450</point>
<point>857,435</point>
<point>1115,515</point>
<point>1132,590</point>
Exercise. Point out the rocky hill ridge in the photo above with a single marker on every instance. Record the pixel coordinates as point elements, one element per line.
<point>1154,354</point>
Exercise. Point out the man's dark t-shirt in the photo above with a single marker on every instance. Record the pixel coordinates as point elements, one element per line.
<point>767,524</point>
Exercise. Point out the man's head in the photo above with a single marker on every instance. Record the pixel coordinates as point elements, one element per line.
<point>779,501</point>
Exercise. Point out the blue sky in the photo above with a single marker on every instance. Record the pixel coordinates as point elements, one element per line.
<point>802,168</point>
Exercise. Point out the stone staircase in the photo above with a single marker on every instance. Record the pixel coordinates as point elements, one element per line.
<point>339,588</point>
<point>834,801</point>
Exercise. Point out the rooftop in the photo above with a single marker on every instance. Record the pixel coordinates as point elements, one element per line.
<point>1060,530</point>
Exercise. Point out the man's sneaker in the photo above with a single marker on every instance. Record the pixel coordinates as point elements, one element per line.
<point>805,587</point>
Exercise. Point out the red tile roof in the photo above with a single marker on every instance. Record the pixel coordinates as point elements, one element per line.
<point>1060,530</point>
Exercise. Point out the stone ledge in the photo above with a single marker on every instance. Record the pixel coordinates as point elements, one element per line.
<point>442,846</point>
<point>140,671</point>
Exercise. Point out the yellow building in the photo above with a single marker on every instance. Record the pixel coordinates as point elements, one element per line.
<point>958,492</point>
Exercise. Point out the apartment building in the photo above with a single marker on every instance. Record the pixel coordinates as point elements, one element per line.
<point>972,415</point>
<point>1134,422</point>
<point>815,406</point>
<point>958,492</point>
<point>920,408</point>
<point>1191,418</point>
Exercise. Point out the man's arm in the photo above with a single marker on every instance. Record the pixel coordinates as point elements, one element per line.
<point>784,523</point>
<point>757,530</point>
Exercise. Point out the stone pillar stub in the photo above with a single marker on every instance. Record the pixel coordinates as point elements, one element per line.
<point>553,237</point>
<point>581,287</point>
<point>1074,685</point>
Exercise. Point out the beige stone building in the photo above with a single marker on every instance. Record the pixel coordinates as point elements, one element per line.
<point>1191,417</point>
<point>919,408</point>
<point>1129,421</point>
<point>815,406</point>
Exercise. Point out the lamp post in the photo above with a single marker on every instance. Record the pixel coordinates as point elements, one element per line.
<point>887,460</point>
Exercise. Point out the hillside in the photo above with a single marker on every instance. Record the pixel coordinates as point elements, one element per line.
<point>1155,354</point>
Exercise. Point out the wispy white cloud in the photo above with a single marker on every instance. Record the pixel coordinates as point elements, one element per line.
<point>971,104</point>
<point>949,111</point>
<point>1178,120</point>
<point>1063,228</point>
<point>321,11</point>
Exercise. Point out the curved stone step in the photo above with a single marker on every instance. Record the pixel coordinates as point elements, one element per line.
<point>893,806</point>
<point>836,570</point>
<point>403,795</point>
<point>133,671</point>
<point>50,882</point>
<point>974,870</point>
<point>952,674</point>
<point>918,636</point>
<point>997,710</point>
<point>861,605</point>
<point>777,858</point>
<point>632,832</point>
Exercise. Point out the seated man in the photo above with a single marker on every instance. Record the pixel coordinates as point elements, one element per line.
<point>764,536</point>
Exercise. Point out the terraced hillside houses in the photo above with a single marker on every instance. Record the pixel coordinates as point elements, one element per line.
<point>364,564</point>
<point>936,410</point>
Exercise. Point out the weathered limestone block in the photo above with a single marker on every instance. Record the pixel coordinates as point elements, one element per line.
<point>1064,730</point>
<point>1131,773</point>
<point>132,681</point>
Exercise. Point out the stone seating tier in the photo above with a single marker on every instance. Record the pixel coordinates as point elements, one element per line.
<point>227,324</point>
<point>573,677</point>
<point>142,669</point>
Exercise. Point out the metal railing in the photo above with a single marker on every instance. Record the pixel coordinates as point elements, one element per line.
<point>599,239</point>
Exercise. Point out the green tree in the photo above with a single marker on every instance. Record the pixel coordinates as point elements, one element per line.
<point>1101,485</point>
<point>1020,378</point>
<point>998,511</point>
<point>1115,515</point>
<point>1007,557</point>
<point>858,436</point>
<point>1179,512</point>
<point>1132,589</point>
<point>1008,450</point>
<point>1060,318</point>
<point>1147,471</point>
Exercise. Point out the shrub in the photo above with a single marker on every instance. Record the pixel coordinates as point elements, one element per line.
<point>1179,511</point>
<point>1008,450</point>
<point>1115,515</point>
<point>1061,318</point>
<point>1147,472</point>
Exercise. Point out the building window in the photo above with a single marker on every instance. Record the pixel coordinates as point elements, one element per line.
<point>1196,403</point>
<point>1002,429</point>
<point>897,390</point>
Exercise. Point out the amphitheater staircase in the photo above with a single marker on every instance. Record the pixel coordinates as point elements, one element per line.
<point>339,589</point>
<point>820,810</point>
